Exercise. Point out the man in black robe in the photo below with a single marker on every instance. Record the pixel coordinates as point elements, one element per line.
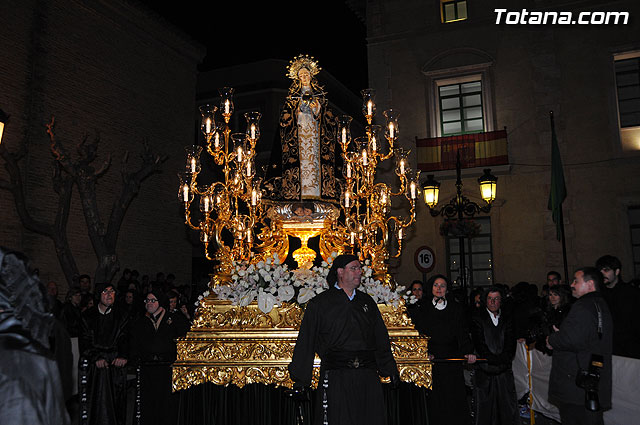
<point>153,345</point>
<point>345,328</point>
<point>104,342</point>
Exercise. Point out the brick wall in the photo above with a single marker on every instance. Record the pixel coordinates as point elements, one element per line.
<point>109,68</point>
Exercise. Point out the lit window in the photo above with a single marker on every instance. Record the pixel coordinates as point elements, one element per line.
<point>627,72</point>
<point>453,10</point>
<point>478,255</point>
<point>461,108</point>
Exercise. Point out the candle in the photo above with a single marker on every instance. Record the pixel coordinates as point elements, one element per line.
<point>374,145</point>
<point>348,170</point>
<point>249,235</point>
<point>249,169</point>
<point>227,106</point>
<point>344,135</point>
<point>185,193</point>
<point>392,130</point>
<point>346,199</point>
<point>206,203</point>
<point>364,157</point>
<point>239,154</point>
<point>253,131</point>
<point>193,165</point>
<point>207,127</point>
<point>353,238</point>
<point>369,108</point>
<point>402,166</point>
<point>413,190</point>
<point>254,198</point>
<point>205,237</point>
<point>383,198</point>
<point>216,140</point>
<point>400,233</point>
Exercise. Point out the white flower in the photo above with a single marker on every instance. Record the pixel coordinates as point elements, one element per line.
<point>248,282</point>
<point>285,293</point>
<point>266,301</point>
<point>305,295</point>
<point>246,298</point>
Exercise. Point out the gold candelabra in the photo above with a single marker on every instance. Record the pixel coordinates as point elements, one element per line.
<point>230,208</point>
<point>366,203</point>
<point>233,213</point>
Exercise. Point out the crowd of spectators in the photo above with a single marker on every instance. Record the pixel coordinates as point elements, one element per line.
<point>496,318</point>
<point>135,320</point>
<point>116,328</point>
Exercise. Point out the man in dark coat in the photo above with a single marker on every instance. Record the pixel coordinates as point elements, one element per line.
<point>494,340</point>
<point>587,330</point>
<point>153,345</point>
<point>104,342</point>
<point>623,300</point>
<point>344,327</point>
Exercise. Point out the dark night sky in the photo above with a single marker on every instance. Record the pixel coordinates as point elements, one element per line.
<point>238,32</point>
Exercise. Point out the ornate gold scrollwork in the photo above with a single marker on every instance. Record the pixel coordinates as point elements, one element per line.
<point>241,345</point>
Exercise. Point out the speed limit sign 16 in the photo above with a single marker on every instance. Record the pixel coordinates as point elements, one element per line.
<point>425,259</point>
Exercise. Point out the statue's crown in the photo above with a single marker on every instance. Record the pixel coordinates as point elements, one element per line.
<point>302,61</point>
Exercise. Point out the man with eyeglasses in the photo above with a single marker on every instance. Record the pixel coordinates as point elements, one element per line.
<point>586,331</point>
<point>623,300</point>
<point>104,342</point>
<point>494,340</point>
<point>153,347</point>
<point>344,327</point>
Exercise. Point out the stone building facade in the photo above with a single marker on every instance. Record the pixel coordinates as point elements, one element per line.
<point>110,68</point>
<point>526,70</point>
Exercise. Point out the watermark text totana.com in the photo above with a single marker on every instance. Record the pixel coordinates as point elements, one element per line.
<point>525,17</point>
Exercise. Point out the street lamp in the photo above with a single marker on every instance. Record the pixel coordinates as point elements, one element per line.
<point>3,119</point>
<point>460,205</point>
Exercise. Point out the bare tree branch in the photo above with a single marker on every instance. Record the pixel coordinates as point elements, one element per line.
<point>151,163</point>
<point>62,186</point>
<point>16,187</point>
<point>66,173</point>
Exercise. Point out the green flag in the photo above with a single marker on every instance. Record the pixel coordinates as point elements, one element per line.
<point>558,191</point>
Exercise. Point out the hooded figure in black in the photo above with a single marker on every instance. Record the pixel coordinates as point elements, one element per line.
<point>104,342</point>
<point>30,386</point>
<point>344,327</point>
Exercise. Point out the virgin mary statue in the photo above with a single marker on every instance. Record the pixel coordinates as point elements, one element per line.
<point>307,135</point>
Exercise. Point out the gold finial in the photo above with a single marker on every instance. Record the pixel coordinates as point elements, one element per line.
<point>302,61</point>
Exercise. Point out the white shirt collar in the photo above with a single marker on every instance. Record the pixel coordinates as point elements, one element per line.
<point>350,296</point>
<point>441,304</point>
<point>495,319</point>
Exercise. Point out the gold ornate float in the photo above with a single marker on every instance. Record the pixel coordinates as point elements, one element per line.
<point>247,218</point>
<point>242,345</point>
